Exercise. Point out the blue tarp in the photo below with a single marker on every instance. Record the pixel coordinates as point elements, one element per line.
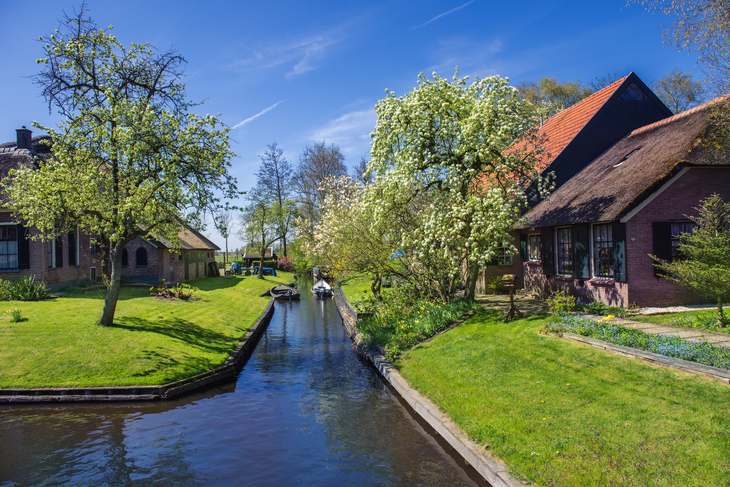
<point>267,270</point>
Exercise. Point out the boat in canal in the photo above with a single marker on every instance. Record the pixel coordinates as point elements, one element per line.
<point>285,293</point>
<point>321,289</point>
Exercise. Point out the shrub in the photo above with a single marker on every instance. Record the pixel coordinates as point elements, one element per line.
<point>561,303</point>
<point>179,291</point>
<point>596,308</point>
<point>27,289</point>
<point>495,283</point>
<point>286,264</point>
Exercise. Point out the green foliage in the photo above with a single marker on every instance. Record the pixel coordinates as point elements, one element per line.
<point>178,291</point>
<point>561,302</point>
<point>495,283</point>
<point>27,289</point>
<point>550,96</point>
<point>704,266</point>
<point>678,91</point>
<point>16,315</point>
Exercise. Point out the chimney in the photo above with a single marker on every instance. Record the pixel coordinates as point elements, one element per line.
<point>25,138</point>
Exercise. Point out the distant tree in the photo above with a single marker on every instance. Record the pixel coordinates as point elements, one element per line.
<point>702,25</point>
<point>274,180</point>
<point>549,96</point>
<point>258,224</point>
<point>317,162</point>
<point>678,91</point>
<point>129,158</point>
<point>358,173</point>
<point>704,266</point>
<point>224,222</point>
<point>600,82</point>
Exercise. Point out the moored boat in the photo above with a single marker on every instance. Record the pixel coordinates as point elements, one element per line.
<point>321,289</point>
<point>285,293</point>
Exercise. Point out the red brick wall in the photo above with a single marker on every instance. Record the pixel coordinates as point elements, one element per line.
<point>674,203</point>
<point>151,269</point>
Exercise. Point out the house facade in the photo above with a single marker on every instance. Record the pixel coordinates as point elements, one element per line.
<point>72,259</point>
<point>594,235</point>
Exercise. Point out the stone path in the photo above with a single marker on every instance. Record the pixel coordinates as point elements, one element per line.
<point>692,334</point>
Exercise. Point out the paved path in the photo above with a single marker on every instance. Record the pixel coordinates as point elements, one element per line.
<point>500,302</point>
<point>692,334</point>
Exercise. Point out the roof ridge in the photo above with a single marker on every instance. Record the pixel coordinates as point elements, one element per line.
<point>683,114</point>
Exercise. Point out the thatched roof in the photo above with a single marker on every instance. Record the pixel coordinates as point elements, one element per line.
<point>629,171</point>
<point>13,158</point>
<point>189,240</point>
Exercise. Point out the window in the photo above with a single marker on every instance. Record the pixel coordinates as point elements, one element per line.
<point>8,246</point>
<point>533,247</point>
<point>51,253</point>
<point>603,250</point>
<point>504,257</point>
<point>565,251</point>
<point>92,273</point>
<point>633,93</point>
<point>678,229</point>
<point>73,249</point>
<point>125,257</point>
<point>141,257</point>
<point>93,246</point>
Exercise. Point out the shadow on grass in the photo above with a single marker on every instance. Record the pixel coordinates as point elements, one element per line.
<point>134,292</point>
<point>176,365</point>
<point>181,330</point>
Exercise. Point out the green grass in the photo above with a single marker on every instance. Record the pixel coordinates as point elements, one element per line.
<point>701,319</point>
<point>153,341</point>
<point>559,413</point>
<point>355,285</point>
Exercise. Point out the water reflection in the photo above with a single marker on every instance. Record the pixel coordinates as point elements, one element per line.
<point>305,410</point>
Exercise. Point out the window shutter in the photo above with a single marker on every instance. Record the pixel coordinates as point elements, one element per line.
<point>523,248</point>
<point>619,251</point>
<point>72,248</point>
<point>59,252</point>
<point>23,248</point>
<point>662,232</point>
<point>581,263</point>
<point>548,258</point>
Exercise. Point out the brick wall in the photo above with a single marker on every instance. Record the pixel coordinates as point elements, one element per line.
<point>135,270</point>
<point>673,204</point>
<point>501,270</point>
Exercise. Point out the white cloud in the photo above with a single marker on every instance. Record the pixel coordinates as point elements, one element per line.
<point>241,124</point>
<point>443,14</point>
<point>350,131</point>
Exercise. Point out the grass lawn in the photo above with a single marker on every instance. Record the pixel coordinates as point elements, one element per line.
<point>691,319</point>
<point>354,285</point>
<point>560,413</point>
<point>153,341</point>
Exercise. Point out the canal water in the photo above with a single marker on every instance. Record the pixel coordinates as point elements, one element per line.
<point>305,410</point>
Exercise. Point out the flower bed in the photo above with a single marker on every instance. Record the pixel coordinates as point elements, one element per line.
<point>668,345</point>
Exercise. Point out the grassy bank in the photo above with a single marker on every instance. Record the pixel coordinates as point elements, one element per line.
<point>355,285</point>
<point>564,414</point>
<point>153,341</point>
<point>701,319</point>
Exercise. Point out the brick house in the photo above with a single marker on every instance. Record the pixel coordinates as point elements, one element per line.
<point>592,237</point>
<point>71,259</point>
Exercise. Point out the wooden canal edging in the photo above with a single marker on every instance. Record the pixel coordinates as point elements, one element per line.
<point>494,471</point>
<point>233,364</point>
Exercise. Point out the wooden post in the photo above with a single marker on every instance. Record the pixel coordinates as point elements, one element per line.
<point>510,282</point>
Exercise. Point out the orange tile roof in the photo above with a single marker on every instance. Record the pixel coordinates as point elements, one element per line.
<point>562,128</point>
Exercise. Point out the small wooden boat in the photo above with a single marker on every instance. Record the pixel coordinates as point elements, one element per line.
<point>321,289</point>
<point>285,293</point>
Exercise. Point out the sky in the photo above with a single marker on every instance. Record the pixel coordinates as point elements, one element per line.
<point>296,72</point>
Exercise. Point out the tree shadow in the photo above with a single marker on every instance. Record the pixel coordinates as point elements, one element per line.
<point>182,330</point>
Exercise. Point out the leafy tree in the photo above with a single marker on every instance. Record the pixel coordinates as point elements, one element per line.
<point>274,179</point>
<point>704,266</point>
<point>678,91</point>
<point>224,222</point>
<point>703,25</point>
<point>317,163</point>
<point>258,224</point>
<point>130,159</point>
<point>360,171</point>
<point>447,141</point>
<point>549,96</point>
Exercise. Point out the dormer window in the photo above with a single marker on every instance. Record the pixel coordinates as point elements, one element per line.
<point>626,157</point>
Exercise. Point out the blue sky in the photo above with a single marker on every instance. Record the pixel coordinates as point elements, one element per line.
<point>296,72</point>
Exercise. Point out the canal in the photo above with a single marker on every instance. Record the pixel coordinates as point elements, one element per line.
<point>305,410</point>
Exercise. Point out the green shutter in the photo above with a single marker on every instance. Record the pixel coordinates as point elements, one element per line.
<point>23,247</point>
<point>581,258</point>
<point>619,251</point>
<point>662,232</point>
<point>523,248</point>
<point>548,260</point>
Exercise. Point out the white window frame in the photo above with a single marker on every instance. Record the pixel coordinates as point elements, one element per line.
<point>557,250</point>
<point>529,247</point>
<point>592,250</point>
<point>505,256</point>
<point>17,248</point>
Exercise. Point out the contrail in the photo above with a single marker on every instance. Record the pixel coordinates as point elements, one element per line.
<point>441,15</point>
<point>241,124</point>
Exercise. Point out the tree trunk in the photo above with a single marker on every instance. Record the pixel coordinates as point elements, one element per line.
<point>115,285</point>
<point>225,258</point>
<point>261,262</point>
<point>284,245</point>
<point>720,314</point>
<point>472,274</point>
<point>375,287</point>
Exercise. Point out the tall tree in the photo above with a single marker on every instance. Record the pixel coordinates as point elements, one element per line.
<point>704,265</point>
<point>359,171</point>
<point>130,159</point>
<point>702,25</point>
<point>449,140</point>
<point>550,96</point>
<point>258,224</point>
<point>224,222</point>
<point>317,163</point>
<point>678,91</point>
<point>274,179</point>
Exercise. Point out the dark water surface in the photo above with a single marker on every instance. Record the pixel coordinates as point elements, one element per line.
<point>305,410</point>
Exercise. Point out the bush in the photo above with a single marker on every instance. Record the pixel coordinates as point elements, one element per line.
<point>561,303</point>
<point>286,264</point>
<point>495,283</point>
<point>25,289</point>
<point>179,291</point>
